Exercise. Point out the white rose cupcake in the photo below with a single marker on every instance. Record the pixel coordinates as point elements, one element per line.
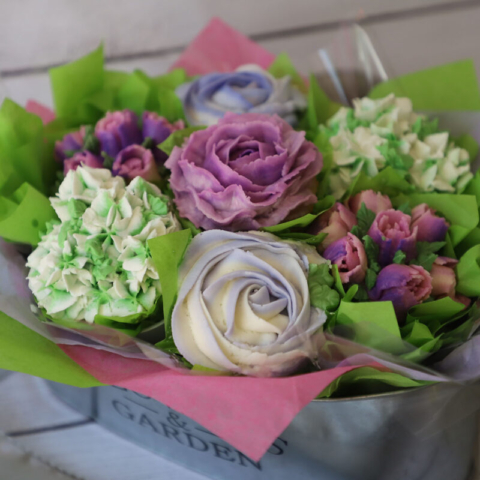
<point>244,304</point>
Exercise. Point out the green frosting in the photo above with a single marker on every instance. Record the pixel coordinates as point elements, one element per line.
<point>376,134</point>
<point>96,261</point>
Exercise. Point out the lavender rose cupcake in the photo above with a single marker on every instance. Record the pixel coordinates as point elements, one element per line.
<point>248,171</point>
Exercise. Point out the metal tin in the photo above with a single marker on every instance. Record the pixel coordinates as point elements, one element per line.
<point>365,438</point>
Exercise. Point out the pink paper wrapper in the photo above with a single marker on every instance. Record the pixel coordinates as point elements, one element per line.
<point>247,412</point>
<point>45,113</point>
<point>220,48</point>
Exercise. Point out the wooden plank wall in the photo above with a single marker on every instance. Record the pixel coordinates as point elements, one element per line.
<point>149,34</point>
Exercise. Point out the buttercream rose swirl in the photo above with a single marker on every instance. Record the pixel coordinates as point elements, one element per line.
<point>244,304</point>
<point>248,89</point>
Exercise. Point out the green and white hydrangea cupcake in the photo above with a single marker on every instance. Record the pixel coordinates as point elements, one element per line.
<point>386,132</point>
<point>95,261</point>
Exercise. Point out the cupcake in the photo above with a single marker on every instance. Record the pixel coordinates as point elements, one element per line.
<point>376,134</point>
<point>249,89</point>
<point>95,261</point>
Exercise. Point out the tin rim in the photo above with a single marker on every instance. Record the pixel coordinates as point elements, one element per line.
<point>405,391</point>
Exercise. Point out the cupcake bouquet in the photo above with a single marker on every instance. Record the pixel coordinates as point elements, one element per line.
<point>240,223</point>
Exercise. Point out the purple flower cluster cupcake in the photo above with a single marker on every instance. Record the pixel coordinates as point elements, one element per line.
<point>120,142</point>
<point>391,254</point>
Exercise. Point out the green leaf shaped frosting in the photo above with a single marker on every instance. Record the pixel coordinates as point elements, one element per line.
<point>96,261</point>
<point>376,134</point>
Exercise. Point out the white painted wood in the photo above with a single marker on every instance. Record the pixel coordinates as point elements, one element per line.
<point>27,87</point>
<point>404,45</point>
<point>423,42</point>
<point>36,86</point>
<point>37,33</point>
<point>15,464</point>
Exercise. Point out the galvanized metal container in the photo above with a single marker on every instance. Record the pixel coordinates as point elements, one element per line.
<point>365,438</point>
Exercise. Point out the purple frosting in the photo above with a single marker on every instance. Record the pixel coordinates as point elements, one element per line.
<point>82,158</point>
<point>404,285</point>
<point>246,172</point>
<point>70,142</point>
<point>249,89</point>
<point>158,129</point>
<point>335,222</point>
<point>349,254</point>
<point>374,201</point>
<point>136,161</point>
<point>391,231</point>
<point>118,130</point>
<point>430,228</point>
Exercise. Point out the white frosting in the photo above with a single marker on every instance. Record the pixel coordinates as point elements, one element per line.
<point>244,304</point>
<point>438,164</point>
<point>352,152</point>
<point>96,261</point>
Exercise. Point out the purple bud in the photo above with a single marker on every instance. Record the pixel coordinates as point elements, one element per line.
<point>376,202</point>
<point>71,142</point>
<point>443,277</point>
<point>84,158</point>
<point>391,231</point>
<point>348,253</point>
<point>444,280</point>
<point>430,228</point>
<point>118,130</point>
<point>404,285</point>
<point>336,222</point>
<point>158,129</point>
<point>136,161</point>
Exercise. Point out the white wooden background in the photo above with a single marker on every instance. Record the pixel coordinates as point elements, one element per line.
<point>149,34</point>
